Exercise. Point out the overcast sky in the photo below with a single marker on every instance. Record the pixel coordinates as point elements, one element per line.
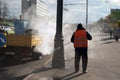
<point>75,13</point>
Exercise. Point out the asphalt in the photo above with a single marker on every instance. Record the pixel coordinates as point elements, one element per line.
<point>103,63</point>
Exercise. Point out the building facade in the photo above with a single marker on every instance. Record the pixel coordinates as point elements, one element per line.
<point>34,8</point>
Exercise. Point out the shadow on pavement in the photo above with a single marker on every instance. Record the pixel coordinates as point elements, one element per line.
<point>58,77</point>
<point>21,77</point>
<point>6,76</point>
<point>2,70</point>
<point>13,62</point>
<point>107,42</point>
<point>71,76</point>
<point>9,63</point>
<point>42,69</point>
<point>105,39</point>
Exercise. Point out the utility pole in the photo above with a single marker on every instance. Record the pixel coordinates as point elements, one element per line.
<point>58,56</point>
<point>86,10</point>
<point>86,14</point>
<point>108,2</point>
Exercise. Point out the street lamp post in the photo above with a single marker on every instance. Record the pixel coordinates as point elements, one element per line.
<point>86,10</point>
<point>108,2</point>
<point>58,56</point>
<point>86,13</point>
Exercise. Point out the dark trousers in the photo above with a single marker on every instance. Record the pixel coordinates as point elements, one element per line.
<point>81,52</point>
<point>116,38</point>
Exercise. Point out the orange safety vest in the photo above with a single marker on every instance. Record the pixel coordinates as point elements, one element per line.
<point>80,39</point>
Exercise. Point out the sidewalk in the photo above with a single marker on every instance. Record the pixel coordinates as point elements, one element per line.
<point>103,63</point>
<point>55,74</point>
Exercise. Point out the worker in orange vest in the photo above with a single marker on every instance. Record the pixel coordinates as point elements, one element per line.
<point>80,39</point>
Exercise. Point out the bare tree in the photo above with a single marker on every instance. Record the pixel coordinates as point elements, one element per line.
<point>0,9</point>
<point>4,11</point>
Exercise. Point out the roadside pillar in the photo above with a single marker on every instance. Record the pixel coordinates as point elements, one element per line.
<point>58,56</point>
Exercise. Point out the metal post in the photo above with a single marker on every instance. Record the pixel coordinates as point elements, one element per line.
<point>108,2</point>
<point>86,14</point>
<point>58,56</point>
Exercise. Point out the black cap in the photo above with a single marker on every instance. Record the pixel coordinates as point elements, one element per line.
<point>80,26</point>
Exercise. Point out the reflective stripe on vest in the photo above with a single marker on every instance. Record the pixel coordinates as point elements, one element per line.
<point>80,39</point>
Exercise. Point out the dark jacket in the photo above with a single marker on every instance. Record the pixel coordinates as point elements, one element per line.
<point>89,37</point>
<point>79,27</point>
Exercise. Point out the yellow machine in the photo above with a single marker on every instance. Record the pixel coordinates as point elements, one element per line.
<point>19,45</point>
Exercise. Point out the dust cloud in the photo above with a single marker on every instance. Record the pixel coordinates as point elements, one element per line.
<point>46,29</point>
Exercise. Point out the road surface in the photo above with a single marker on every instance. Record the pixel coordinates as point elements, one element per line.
<point>12,70</point>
